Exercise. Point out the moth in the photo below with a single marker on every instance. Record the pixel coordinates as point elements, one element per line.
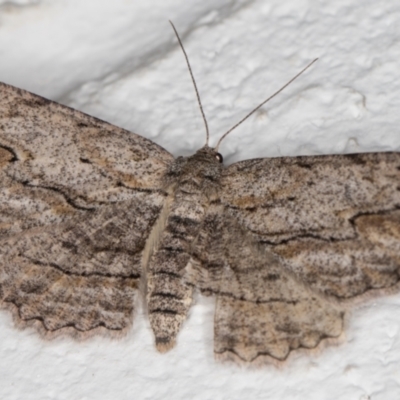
<point>91,215</point>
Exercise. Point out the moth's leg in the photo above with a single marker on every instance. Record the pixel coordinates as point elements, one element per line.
<point>169,296</point>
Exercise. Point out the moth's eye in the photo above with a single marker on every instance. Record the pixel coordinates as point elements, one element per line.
<point>219,158</point>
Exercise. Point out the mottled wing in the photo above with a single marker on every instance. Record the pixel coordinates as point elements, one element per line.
<point>334,220</point>
<point>78,199</point>
<point>262,310</point>
<point>301,237</point>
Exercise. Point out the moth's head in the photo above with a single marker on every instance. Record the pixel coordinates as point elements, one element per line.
<point>203,169</point>
<point>209,155</point>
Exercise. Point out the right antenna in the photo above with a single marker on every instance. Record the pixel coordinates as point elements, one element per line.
<point>260,105</point>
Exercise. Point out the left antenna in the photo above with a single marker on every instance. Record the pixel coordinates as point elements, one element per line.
<point>194,83</point>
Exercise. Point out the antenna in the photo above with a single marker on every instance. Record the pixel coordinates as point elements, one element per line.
<point>194,83</point>
<point>260,105</point>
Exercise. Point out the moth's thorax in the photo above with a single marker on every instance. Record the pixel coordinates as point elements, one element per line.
<point>198,173</point>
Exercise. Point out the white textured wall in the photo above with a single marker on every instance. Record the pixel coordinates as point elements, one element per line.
<point>118,60</point>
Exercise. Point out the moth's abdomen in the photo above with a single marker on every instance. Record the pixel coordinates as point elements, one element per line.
<point>168,295</point>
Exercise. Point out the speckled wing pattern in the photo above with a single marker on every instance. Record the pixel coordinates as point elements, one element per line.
<point>78,200</point>
<point>91,213</point>
<point>292,243</point>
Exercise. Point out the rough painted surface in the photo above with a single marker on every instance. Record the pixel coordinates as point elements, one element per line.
<point>121,64</point>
